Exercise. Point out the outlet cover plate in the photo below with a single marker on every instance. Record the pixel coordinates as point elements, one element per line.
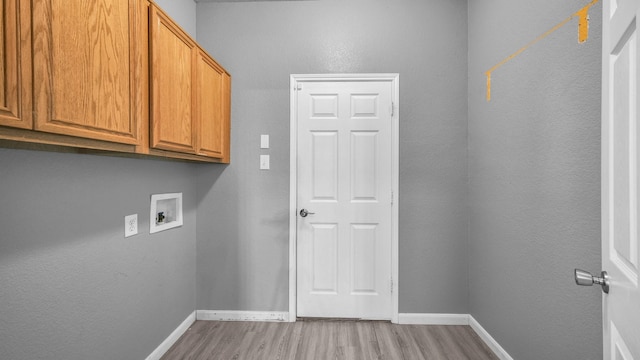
<point>130,225</point>
<point>264,162</point>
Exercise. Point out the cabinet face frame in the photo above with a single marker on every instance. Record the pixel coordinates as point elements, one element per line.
<point>226,117</point>
<point>173,78</point>
<point>110,109</point>
<point>15,65</point>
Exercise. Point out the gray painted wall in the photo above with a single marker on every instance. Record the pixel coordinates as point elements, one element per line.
<point>71,286</point>
<point>243,212</point>
<point>534,179</point>
<point>181,11</point>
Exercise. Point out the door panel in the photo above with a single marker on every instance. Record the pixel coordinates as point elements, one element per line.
<point>325,258</point>
<point>364,160</point>
<point>324,164</point>
<point>364,238</point>
<point>344,179</point>
<point>84,68</point>
<point>209,100</point>
<point>621,313</point>
<point>173,59</point>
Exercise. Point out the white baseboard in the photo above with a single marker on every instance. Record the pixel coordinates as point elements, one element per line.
<point>433,319</point>
<point>488,339</point>
<point>275,316</point>
<point>175,335</point>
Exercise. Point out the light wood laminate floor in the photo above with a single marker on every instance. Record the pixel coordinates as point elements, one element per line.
<point>323,340</point>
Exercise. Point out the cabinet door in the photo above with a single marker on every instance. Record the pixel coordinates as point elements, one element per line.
<point>15,65</point>
<point>84,68</point>
<point>173,54</point>
<point>209,102</point>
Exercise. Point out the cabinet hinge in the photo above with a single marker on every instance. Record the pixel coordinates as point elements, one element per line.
<point>392,198</point>
<point>297,87</point>
<point>391,281</point>
<point>393,109</point>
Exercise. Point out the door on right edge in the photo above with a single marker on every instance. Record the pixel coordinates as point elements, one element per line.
<point>620,185</point>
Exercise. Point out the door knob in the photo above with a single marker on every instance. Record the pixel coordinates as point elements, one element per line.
<point>584,278</point>
<point>305,212</point>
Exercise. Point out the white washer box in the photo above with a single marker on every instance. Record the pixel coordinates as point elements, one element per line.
<point>166,212</point>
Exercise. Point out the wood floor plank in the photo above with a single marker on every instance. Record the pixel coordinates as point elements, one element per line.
<point>427,338</point>
<point>327,340</point>
<point>290,344</point>
<point>410,345</point>
<point>470,342</point>
<point>212,338</point>
<point>388,341</point>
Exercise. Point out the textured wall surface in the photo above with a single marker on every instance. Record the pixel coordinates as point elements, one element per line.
<point>243,214</point>
<point>71,286</point>
<point>534,175</point>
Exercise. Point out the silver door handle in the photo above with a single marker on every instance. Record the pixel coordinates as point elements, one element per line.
<point>305,212</point>
<point>584,278</point>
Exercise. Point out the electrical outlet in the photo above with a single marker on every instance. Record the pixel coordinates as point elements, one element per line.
<point>130,225</point>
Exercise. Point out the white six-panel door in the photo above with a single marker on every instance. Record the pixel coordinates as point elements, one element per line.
<point>620,185</point>
<point>344,180</point>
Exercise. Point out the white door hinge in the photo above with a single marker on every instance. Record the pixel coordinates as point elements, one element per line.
<point>297,87</point>
<point>391,285</point>
<point>393,109</point>
<point>392,198</point>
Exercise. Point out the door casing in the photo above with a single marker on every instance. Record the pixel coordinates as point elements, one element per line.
<point>295,81</point>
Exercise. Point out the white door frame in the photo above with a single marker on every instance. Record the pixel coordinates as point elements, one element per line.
<point>394,80</point>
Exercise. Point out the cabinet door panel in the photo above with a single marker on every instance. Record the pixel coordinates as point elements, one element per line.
<point>209,100</point>
<point>84,68</point>
<point>15,78</point>
<point>172,74</point>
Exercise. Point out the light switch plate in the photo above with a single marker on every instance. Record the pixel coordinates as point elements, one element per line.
<point>264,162</point>
<point>130,225</point>
<point>264,141</point>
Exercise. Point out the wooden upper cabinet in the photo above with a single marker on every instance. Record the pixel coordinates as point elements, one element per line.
<point>86,67</point>
<point>189,93</point>
<point>173,55</point>
<point>15,66</point>
<point>210,89</point>
<point>114,75</point>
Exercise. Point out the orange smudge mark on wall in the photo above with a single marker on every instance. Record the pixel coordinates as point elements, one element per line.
<point>488,85</point>
<point>583,24</point>
<point>583,35</point>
